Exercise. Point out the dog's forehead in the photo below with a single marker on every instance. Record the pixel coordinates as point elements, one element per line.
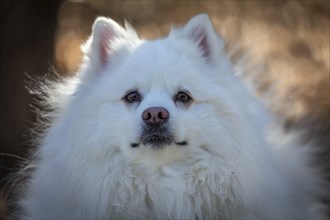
<point>158,67</point>
<point>160,61</point>
<point>159,53</point>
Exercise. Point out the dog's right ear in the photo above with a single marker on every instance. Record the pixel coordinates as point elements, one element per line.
<point>105,33</point>
<point>200,31</point>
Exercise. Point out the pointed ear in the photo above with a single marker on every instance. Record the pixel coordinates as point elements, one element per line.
<point>100,46</point>
<point>200,31</point>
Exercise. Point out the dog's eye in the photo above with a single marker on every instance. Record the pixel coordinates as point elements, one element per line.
<point>182,97</point>
<point>132,96</point>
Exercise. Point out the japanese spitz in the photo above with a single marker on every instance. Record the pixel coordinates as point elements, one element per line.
<point>163,129</point>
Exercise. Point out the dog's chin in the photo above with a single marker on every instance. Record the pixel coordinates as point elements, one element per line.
<point>157,142</point>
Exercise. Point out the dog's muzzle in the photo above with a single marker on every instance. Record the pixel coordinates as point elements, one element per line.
<point>156,132</point>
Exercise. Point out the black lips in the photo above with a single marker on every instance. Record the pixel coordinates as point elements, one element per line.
<point>156,136</point>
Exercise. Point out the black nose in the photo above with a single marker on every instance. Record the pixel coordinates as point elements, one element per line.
<point>155,115</point>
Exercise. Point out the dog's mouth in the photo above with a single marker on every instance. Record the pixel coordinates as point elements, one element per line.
<point>158,141</point>
<point>157,137</point>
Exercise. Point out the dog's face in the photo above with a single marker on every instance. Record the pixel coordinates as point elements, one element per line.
<point>158,95</point>
<point>157,102</point>
<point>160,100</point>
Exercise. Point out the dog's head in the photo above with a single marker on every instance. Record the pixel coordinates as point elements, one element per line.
<point>162,98</point>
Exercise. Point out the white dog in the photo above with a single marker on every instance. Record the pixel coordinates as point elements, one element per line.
<point>164,130</point>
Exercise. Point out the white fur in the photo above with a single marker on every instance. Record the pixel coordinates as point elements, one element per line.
<point>87,168</point>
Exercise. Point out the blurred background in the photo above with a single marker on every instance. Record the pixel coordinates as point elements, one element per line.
<point>285,46</point>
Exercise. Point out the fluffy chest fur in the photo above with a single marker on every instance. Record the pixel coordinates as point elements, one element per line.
<point>197,186</point>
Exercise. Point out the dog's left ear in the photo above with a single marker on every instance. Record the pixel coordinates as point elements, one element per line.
<point>106,35</point>
<point>105,32</point>
<point>200,30</point>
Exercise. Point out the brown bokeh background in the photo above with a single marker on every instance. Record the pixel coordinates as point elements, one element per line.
<point>285,45</point>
